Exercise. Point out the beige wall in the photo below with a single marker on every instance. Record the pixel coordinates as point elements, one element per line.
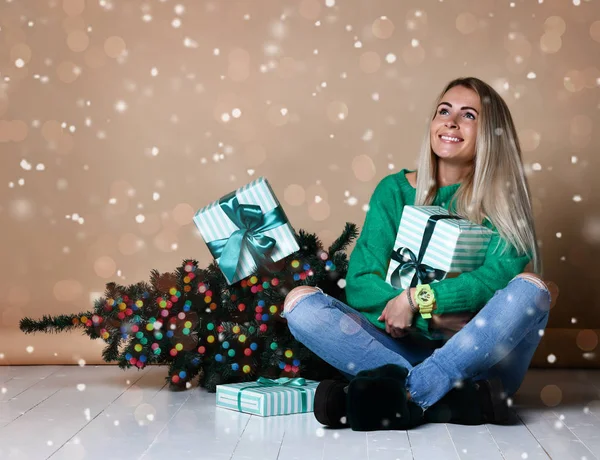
<point>110,115</point>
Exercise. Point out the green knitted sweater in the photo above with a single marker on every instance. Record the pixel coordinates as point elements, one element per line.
<point>366,288</point>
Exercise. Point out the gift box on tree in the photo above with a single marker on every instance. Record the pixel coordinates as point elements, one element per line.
<point>246,229</point>
<point>431,244</point>
<point>267,397</point>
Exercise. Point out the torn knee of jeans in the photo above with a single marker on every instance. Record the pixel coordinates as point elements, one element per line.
<point>295,295</point>
<point>534,279</point>
<point>290,303</point>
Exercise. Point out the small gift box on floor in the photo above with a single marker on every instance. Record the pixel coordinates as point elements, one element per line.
<point>235,422</point>
<point>246,229</point>
<point>431,244</point>
<point>266,397</point>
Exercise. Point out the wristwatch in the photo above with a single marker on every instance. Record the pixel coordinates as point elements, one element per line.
<point>425,298</point>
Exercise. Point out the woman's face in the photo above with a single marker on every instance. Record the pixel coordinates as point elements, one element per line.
<point>454,129</point>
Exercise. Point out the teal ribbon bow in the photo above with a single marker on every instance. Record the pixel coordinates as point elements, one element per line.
<point>251,223</point>
<point>296,383</point>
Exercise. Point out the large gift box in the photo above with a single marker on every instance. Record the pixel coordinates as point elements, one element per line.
<point>431,244</point>
<point>266,397</point>
<point>246,229</point>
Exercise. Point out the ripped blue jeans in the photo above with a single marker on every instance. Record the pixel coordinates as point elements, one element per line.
<point>499,341</point>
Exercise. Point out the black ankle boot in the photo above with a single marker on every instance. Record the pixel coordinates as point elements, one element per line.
<point>494,401</point>
<point>377,400</point>
<point>474,403</point>
<point>330,403</point>
<point>373,400</point>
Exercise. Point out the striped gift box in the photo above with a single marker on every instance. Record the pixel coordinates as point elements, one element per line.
<point>214,224</point>
<point>267,400</point>
<point>456,245</point>
<point>263,427</point>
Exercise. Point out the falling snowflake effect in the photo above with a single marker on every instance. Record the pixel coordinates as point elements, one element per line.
<point>310,92</point>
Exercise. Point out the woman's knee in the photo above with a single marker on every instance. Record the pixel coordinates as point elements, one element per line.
<point>547,286</point>
<point>294,296</point>
<point>534,279</point>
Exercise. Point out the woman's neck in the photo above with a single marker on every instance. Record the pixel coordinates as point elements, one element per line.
<point>449,174</point>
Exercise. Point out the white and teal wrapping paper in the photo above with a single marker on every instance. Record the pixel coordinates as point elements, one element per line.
<point>236,422</point>
<point>245,229</point>
<point>267,397</point>
<point>431,243</point>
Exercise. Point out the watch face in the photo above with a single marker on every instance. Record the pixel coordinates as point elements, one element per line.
<point>424,296</point>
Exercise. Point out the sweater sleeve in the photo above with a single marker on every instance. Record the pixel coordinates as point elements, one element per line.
<point>366,288</point>
<point>470,291</point>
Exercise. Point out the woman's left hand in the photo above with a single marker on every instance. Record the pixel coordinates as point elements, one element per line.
<point>397,315</point>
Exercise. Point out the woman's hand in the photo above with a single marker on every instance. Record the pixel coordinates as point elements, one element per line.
<point>397,316</point>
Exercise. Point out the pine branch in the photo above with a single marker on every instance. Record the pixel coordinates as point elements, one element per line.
<point>111,351</point>
<point>350,233</point>
<point>309,242</point>
<point>52,324</point>
<point>154,277</point>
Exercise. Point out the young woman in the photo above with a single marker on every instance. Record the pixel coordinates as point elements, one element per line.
<point>463,363</point>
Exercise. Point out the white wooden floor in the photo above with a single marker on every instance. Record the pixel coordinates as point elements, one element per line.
<point>105,413</point>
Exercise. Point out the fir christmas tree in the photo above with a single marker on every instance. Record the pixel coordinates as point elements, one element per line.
<point>203,328</point>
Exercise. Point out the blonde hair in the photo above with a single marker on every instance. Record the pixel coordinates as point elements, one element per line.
<point>496,188</point>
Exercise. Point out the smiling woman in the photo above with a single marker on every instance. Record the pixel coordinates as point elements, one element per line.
<point>454,134</point>
<point>487,163</point>
<point>478,329</point>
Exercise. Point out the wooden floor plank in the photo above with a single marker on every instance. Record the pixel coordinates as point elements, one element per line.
<point>132,421</point>
<point>474,442</point>
<point>261,438</point>
<point>432,440</point>
<point>43,429</point>
<point>199,426</point>
<point>389,445</point>
<point>552,434</point>
<point>305,438</point>
<point>100,412</point>
<point>21,394</point>
<point>516,442</point>
<point>348,445</point>
<point>8,373</point>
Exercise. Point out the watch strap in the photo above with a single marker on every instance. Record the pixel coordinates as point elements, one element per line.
<point>426,312</point>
